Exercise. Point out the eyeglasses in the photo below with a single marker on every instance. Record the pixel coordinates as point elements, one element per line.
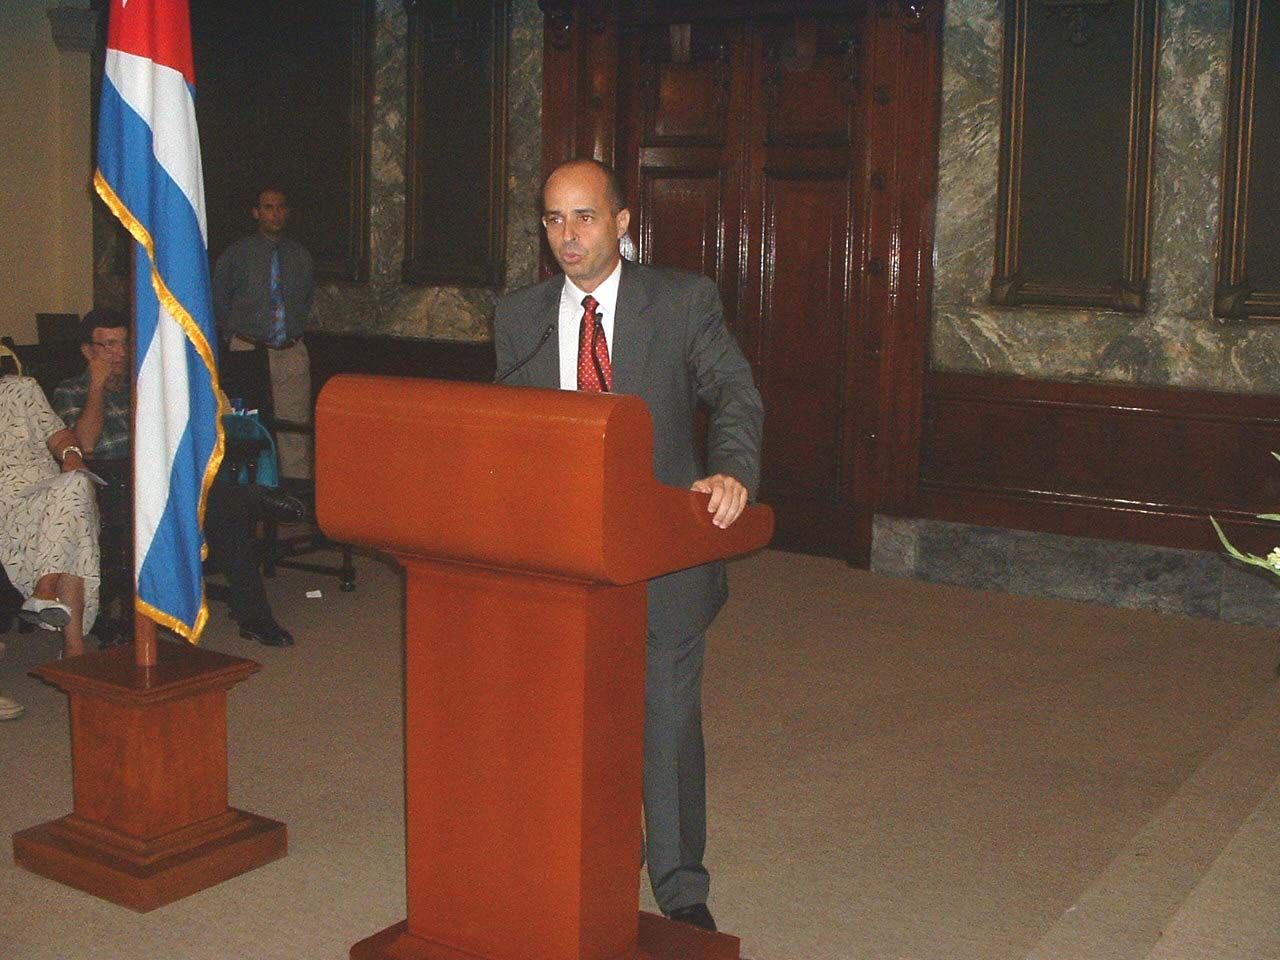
<point>111,344</point>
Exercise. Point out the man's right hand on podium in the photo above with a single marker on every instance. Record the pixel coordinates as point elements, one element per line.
<point>728,498</point>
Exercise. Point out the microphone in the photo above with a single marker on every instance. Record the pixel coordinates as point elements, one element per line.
<point>546,335</point>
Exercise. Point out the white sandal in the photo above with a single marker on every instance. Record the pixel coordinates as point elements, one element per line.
<point>46,614</point>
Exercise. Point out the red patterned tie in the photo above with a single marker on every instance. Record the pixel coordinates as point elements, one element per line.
<point>594,371</point>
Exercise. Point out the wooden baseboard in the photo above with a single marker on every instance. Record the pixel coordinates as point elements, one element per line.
<point>1140,464</point>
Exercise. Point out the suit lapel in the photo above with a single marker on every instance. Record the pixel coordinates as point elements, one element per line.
<point>633,330</point>
<point>544,369</point>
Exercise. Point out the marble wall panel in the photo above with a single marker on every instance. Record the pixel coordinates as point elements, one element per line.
<point>1185,582</point>
<point>385,305</point>
<point>1177,342</point>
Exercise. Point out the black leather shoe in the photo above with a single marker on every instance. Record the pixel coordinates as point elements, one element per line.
<point>111,634</point>
<point>266,632</point>
<point>281,506</point>
<point>696,915</point>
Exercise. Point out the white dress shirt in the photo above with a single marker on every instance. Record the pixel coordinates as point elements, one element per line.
<point>571,322</point>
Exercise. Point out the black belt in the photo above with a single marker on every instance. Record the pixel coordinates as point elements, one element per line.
<point>264,343</point>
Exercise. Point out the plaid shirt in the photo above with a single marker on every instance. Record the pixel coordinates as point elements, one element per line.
<point>68,401</point>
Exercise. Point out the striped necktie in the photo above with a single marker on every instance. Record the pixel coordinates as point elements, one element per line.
<point>276,334</point>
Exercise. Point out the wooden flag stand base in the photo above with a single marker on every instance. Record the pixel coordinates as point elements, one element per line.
<point>151,823</point>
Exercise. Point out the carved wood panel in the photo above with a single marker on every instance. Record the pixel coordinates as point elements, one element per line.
<point>810,75</point>
<point>1075,153</point>
<point>681,98</point>
<point>739,140</point>
<point>806,301</point>
<point>803,172</point>
<point>1248,284</point>
<point>291,105</point>
<point>682,219</point>
<point>455,183</point>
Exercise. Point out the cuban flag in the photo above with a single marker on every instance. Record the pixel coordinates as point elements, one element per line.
<point>149,175</point>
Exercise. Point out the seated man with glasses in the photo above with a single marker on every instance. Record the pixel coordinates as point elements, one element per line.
<point>95,405</point>
<point>99,396</point>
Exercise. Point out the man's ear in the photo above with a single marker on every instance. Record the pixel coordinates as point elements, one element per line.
<point>86,352</point>
<point>624,221</point>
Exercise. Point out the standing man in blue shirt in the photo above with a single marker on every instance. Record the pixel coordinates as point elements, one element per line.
<point>263,286</point>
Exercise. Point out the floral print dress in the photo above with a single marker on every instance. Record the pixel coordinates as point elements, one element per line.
<point>48,519</point>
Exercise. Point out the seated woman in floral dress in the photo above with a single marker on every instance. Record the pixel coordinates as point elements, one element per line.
<point>48,512</point>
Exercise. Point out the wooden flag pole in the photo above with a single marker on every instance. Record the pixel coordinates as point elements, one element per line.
<point>144,628</point>
<point>144,640</point>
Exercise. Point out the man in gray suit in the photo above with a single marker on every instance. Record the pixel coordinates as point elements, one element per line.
<point>608,324</point>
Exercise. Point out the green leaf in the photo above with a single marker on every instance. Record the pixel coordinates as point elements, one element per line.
<point>1249,558</point>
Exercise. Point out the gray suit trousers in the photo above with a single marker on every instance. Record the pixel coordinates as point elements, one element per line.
<point>675,810</point>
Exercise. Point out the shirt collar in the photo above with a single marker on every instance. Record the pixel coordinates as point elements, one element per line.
<point>606,293</point>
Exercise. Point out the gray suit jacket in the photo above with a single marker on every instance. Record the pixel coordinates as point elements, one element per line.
<point>671,348</point>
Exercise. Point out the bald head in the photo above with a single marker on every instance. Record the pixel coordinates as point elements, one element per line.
<point>613,186</point>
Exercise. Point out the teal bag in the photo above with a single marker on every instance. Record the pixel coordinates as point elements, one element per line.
<point>251,450</point>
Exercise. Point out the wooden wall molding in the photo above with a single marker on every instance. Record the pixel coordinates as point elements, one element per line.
<point>1141,464</point>
<point>902,69</point>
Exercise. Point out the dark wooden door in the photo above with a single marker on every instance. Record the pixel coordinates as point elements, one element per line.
<point>789,151</point>
<point>739,143</point>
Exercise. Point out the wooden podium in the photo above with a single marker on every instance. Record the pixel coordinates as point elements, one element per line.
<point>527,522</point>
